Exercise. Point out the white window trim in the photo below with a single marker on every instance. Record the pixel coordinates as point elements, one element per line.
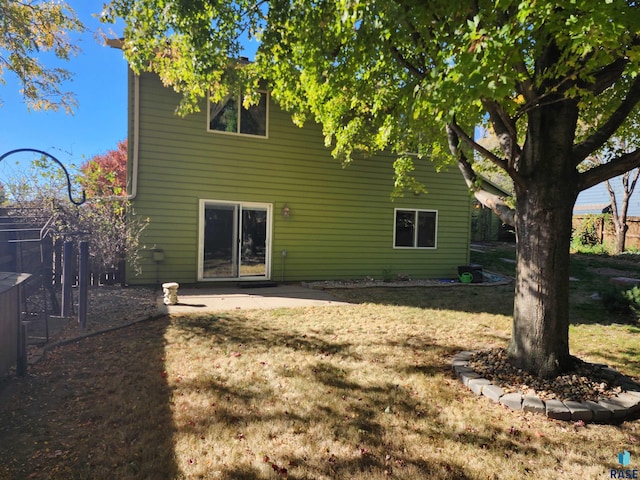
<point>238,134</point>
<point>415,239</point>
<point>201,207</point>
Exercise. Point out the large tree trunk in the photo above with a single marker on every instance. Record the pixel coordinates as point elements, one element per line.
<point>540,338</point>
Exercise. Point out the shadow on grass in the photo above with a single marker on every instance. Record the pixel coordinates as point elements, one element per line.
<point>106,408</point>
<point>98,408</point>
<point>349,425</point>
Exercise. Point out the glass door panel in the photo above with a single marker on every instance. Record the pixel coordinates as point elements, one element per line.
<point>235,241</point>
<point>253,248</point>
<point>220,245</point>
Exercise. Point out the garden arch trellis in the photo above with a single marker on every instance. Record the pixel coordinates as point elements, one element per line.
<point>26,246</point>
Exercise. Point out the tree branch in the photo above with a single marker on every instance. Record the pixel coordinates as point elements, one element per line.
<point>525,87</point>
<point>614,202</point>
<point>500,162</point>
<point>608,170</point>
<point>607,76</point>
<point>490,200</point>
<point>505,130</point>
<point>460,134</point>
<point>409,66</point>
<point>602,134</point>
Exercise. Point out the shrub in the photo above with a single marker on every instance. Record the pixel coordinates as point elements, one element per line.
<point>587,234</point>
<point>632,296</point>
<point>621,301</point>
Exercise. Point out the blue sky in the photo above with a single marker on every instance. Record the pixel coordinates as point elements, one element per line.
<point>100,85</point>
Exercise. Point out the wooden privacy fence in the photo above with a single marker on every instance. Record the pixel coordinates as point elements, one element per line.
<point>605,232</point>
<point>98,275</point>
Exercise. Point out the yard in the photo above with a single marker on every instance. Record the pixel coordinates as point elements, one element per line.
<point>361,391</point>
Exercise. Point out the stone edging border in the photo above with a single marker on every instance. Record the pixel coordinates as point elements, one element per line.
<point>607,410</point>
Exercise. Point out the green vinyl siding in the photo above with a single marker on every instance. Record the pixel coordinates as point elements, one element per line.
<point>341,220</point>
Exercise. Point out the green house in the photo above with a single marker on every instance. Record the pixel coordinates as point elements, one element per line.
<point>236,194</point>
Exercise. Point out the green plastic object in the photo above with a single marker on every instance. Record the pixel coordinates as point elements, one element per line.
<point>466,277</point>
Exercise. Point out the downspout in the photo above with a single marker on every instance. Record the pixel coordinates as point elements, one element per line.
<point>117,43</point>
<point>136,136</point>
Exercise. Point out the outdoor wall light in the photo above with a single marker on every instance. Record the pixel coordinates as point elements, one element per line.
<point>285,211</point>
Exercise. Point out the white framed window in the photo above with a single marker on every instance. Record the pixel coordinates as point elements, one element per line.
<point>415,228</point>
<point>229,116</point>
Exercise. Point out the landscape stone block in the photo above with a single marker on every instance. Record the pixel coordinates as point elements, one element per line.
<point>625,281</point>
<point>532,403</point>
<point>558,410</point>
<point>465,355</point>
<point>465,377</point>
<point>579,411</point>
<point>512,400</point>
<point>635,393</point>
<point>493,392</point>
<point>462,369</point>
<point>630,401</point>
<point>459,362</point>
<point>477,385</point>
<point>600,413</point>
<point>618,410</point>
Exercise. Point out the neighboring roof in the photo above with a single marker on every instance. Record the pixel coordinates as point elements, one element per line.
<point>493,185</point>
<point>119,44</point>
<point>596,198</point>
<point>590,208</point>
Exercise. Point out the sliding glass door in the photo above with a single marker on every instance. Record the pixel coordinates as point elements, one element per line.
<point>234,241</point>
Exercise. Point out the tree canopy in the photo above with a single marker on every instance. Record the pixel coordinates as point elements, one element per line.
<point>553,80</point>
<point>28,29</point>
<point>381,74</point>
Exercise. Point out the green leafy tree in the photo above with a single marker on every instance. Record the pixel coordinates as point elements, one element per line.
<point>29,28</point>
<point>418,77</point>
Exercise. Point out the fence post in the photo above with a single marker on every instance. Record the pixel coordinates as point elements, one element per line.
<point>67,278</point>
<point>83,283</point>
<point>57,268</point>
<point>21,364</point>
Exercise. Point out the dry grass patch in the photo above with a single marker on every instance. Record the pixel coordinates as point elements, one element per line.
<point>359,392</point>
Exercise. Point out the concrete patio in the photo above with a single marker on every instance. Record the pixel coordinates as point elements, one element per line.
<point>202,300</point>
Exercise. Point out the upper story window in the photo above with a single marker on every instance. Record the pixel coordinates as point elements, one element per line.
<point>415,228</point>
<point>229,116</point>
